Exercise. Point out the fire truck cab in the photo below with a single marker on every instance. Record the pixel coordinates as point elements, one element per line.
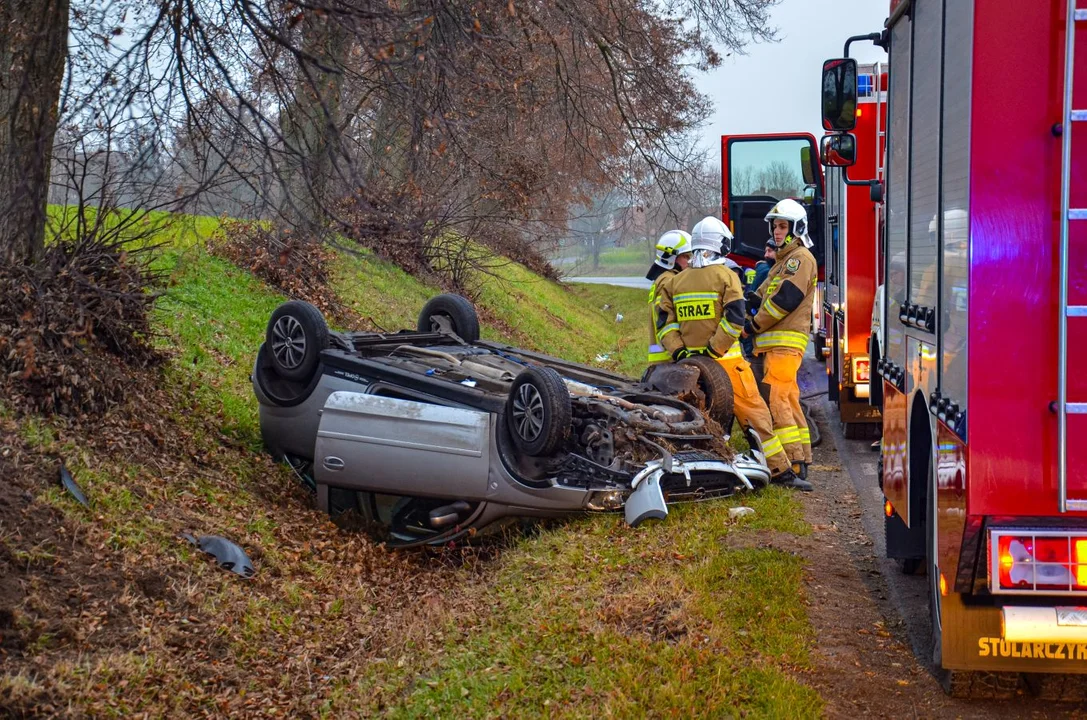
<point>756,172</point>
<point>852,231</point>
<point>984,253</point>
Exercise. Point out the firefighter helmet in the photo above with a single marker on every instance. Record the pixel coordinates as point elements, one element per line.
<point>672,244</point>
<point>794,212</point>
<point>711,234</point>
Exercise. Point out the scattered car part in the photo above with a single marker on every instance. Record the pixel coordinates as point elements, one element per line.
<point>227,553</point>
<point>68,483</point>
<point>739,512</point>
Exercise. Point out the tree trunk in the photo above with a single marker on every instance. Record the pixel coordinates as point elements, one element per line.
<point>311,123</point>
<point>33,48</point>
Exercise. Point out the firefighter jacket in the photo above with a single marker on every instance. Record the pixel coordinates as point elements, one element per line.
<point>786,298</point>
<point>702,309</point>
<point>657,354</point>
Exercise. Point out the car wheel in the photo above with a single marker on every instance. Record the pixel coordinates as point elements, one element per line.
<point>714,383</point>
<point>296,335</point>
<point>453,313</point>
<point>538,411</point>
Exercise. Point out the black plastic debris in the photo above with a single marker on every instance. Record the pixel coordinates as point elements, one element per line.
<point>68,483</point>
<point>228,554</point>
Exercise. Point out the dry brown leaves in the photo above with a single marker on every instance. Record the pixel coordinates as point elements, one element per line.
<point>73,325</point>
<point>296,266</point>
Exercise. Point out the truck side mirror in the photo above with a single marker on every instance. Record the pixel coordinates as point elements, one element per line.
<point>838,150</point>
<point>839,94</point>
<point>875,192</point>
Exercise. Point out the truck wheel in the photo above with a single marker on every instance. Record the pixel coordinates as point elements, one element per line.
<point>967,684</point>
<point>1057,687</point>
<point>538,411</point>
<point>296,335</point>
<point>452,313</point>
<point>715,384</point>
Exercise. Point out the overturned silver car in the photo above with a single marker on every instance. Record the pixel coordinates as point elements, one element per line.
<point>434,433</point>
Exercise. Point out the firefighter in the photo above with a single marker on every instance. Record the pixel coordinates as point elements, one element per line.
<point>702,312</point>
<point>673,252</point>
<point>781,326</point>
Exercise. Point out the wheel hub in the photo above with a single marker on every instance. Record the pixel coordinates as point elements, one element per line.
<point>288,342</point>
<point>528,412</point>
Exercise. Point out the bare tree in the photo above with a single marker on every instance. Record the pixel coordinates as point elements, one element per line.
<point>377,118</point>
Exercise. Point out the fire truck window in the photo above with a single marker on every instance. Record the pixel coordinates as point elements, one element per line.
<point>897,188</point>
<point>956,180</point>
<point>767,168</point>
<point>925,152</point>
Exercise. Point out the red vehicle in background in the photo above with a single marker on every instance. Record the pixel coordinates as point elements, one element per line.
<point>984,451</point>
<point>756,172</point>
<point>853,219</point>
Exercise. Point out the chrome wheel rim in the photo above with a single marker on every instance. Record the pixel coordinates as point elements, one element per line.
<point>288,342</point>
<point>528,412</point>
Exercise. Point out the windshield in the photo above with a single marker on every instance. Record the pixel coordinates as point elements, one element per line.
<point>773,168</point>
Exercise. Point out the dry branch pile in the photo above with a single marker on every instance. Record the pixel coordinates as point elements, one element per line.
<point>74,324</point>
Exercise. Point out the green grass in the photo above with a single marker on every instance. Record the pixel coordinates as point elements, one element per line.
<point>595,619</point>
<point>586,618</point>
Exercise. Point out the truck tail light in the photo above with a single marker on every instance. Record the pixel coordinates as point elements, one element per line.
<point>861,370</point>
<point>1038,561</point>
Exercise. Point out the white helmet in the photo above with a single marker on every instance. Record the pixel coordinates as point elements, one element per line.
<point>711,234</point>
<point>671,244</point>
<point>794,212</point>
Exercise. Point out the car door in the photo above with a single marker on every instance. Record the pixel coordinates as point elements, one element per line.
<point>759,170</point>
<point>402,447</point>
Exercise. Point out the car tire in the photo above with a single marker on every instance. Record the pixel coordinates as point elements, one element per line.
<point>538,411</point>
<point>455,310</point>
<point>715,383</point>
<point>296,335</point>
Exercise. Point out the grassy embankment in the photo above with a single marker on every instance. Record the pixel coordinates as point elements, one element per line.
<point>586,618</point>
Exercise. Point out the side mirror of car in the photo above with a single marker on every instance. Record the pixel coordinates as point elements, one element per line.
<point>838,150</point>
<point>839,94</point>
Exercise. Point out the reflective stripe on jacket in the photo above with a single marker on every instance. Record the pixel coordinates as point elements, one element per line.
<point>784,317</point>
<point>657,354</point>
<point>704,309</point>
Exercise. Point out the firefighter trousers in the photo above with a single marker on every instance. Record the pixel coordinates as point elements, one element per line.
<point>790,426</point>
<point>751,411</point>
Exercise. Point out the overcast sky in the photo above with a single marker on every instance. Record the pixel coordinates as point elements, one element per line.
<point>775,87</point>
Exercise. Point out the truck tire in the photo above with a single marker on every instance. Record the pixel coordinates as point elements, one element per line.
<point>296,335</point>
<point>965,684</point>
<point>1057,687</point>
<point>453,311</point>
<point>538,411</point>
<point>717,387</point>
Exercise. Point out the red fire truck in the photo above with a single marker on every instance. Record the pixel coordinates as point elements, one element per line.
<point>984,453</point>
<point>853,217</point>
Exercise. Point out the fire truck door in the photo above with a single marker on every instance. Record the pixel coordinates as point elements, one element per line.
<point>759,170</point>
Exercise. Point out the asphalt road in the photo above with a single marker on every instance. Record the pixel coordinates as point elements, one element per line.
<point>632,282</point>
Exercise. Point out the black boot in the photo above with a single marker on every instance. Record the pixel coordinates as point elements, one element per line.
<point>788,479</point>
<point>800,469</point>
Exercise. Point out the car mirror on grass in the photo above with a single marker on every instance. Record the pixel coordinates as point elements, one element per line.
<point>227,554</point>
